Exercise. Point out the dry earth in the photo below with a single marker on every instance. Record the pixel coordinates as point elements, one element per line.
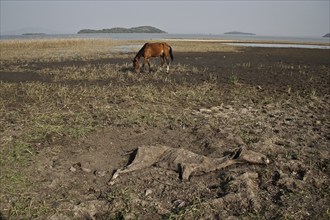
<point>271,101</point>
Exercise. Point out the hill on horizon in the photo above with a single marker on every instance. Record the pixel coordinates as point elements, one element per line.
<point>30,30</point>
<point>140,29</point>
<point>239,33</point>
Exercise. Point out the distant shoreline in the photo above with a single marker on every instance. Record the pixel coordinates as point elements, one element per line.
<point>176,37</point>
<point>238,41</point>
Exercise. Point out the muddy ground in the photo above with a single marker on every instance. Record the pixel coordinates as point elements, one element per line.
<point>272,101</point>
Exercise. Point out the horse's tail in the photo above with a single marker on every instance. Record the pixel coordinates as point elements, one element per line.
<point>171,54</point>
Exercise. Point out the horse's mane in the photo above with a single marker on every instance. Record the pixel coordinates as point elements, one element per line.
<point>140,53</point>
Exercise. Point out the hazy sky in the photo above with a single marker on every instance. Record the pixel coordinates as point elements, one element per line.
<point>279,17</point>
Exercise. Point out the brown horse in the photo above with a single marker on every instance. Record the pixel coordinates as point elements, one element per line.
<point>163,50</point>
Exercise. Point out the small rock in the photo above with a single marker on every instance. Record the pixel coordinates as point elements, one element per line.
<point>179,203</point>
<point>205,110</point>
<point>75,167</point>
<point>244,110</point>
<point>215,108</point>
<point>148,192</point>
<point>100,173</point>
<point>195,112</point>
<point>86,170</point>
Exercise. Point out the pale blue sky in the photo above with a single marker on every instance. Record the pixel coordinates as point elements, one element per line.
<point>277,18</point>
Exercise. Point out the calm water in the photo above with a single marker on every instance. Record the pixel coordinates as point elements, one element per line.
<point>306,46</point>
<point>168,36</point>
<point>146,37</point>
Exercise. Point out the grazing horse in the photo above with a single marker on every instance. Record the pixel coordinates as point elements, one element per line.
<point>163,50</point>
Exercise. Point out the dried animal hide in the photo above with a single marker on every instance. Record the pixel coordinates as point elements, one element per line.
<point>185,162</point>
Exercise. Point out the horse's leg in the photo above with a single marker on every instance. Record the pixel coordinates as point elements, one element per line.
<point>143,64</point>
<point>146,60</point>
<point>149,66</point>
<point>168,63</point>
<point>162,60</point>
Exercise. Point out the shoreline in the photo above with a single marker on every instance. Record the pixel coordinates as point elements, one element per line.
<point>224,42</point>
<point>248,41</point>
<point>177,37</point>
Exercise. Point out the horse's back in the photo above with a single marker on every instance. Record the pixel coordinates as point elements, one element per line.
<point>155,45</point>
<point>155,49</point>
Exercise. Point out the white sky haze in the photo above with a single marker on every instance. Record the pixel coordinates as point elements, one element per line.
<point>273,18</point>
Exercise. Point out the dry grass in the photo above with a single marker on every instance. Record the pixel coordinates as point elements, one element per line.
<point>37,114</point>
<point>56,49</point>
<point>81,99</point>
<point>82,49</point>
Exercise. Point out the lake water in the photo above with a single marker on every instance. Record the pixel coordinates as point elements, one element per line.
<point>306,46</point>
<point>146,37</point>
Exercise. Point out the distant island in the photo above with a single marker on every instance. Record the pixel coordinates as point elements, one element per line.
<point>327,35</point>
<point>239,33</point>
<point>141,29</point>
<point>33,34</point>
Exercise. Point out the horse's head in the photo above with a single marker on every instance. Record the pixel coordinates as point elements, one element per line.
<point>136,65</point>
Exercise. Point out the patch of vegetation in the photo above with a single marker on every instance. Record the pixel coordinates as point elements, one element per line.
<point>233,79</point>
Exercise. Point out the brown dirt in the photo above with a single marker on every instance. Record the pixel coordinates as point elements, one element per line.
<point>295,185</point>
